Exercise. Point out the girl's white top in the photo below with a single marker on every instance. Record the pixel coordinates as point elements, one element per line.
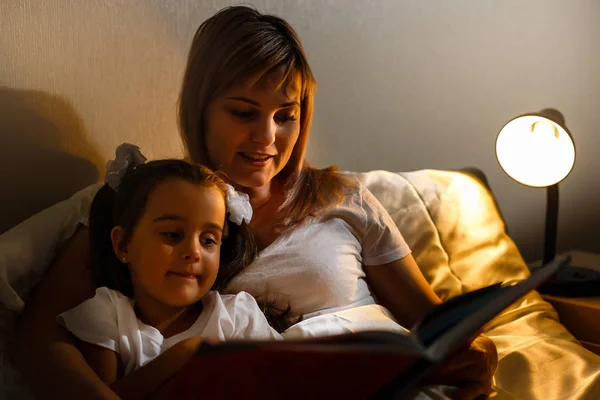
<point>108,320</point>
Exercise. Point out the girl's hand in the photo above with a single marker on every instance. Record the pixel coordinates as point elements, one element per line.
<point>471,370</point>
<point>147,380</point>
<point>190,345</point>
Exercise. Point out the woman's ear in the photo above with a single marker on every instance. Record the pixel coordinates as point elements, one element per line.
<point>117,236</point>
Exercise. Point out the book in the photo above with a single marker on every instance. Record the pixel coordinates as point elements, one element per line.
<point>369,364</point>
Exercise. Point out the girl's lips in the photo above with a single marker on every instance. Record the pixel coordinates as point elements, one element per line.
<point>184,275</point>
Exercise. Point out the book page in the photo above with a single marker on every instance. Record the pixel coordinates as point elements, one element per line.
<point>482,307</point>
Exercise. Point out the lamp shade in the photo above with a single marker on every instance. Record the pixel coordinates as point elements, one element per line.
<point>536,149</point>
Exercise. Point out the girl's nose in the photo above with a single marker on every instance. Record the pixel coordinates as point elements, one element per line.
<point>192,256</point>
<point>191,253</point>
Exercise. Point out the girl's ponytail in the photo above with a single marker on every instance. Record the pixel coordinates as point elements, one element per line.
<point>238,250</point>
<point>107,269</point>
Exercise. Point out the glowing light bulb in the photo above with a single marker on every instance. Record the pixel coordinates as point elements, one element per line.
<point>535,151</point>
<point>544,130</point>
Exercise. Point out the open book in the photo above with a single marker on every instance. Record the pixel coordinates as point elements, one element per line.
<point>375,364</point>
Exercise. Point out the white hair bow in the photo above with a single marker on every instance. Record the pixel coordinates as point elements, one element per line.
<point>238,206</point>
<point>126,155</point>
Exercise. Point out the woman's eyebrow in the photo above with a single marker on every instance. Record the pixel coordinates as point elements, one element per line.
<point>257,104</point>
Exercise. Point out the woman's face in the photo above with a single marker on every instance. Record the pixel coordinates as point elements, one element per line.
<point>251,130</point>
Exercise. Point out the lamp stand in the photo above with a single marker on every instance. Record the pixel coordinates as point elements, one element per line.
<point>573,281</point>
<point>551,223</point>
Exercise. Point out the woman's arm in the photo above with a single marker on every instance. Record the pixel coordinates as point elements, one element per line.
<point>143,382</point>
<point>401,288</point>
<point>44,352</point>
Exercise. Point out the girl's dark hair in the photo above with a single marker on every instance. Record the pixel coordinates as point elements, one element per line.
<point>125,207</point>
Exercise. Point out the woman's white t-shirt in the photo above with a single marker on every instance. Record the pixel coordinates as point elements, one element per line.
<point>317,267</point>
<point>108,320</point>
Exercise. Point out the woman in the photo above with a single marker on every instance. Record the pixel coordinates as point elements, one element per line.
<point>246,106</point>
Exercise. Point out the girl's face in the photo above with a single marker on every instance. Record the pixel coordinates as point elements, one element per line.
<point>173,254</point>
<point>252,130</point>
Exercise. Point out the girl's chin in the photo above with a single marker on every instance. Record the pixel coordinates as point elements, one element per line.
<point>184,300</point>
<point>184,297</point>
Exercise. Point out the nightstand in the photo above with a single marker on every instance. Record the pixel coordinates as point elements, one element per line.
<point>580,315</point>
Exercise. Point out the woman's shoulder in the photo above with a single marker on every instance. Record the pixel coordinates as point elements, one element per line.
<point>354,196</point>
<point>337,187</point>
<point>312,191</point>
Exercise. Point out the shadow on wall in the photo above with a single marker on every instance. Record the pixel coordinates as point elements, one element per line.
<point>39,135</point>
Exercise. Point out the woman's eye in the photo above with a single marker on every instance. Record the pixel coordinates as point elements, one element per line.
<point>243,115</point>
<point>171,236</point>
<point>282,119</point>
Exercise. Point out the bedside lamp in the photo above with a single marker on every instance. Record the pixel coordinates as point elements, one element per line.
<point>537,150</point>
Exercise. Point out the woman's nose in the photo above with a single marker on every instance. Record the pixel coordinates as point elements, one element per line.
<point>264,133</point>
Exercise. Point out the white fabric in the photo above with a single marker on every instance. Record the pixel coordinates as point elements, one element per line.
<point>451,224</point>
<point>359,319</point>
<point>316,268</point>
<point>459,241</point>
<point>108,320</point>
<point>27,249</point>
<point>372,317</point>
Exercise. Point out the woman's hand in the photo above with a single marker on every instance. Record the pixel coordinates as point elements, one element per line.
<point>400,283</point>
<point>470,370</point>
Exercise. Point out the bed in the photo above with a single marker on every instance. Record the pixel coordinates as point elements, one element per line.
<point>458,238</point>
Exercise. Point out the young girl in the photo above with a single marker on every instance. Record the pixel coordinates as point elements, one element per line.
<point>165,235</point>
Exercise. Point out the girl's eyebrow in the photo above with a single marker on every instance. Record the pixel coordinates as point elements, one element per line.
<point>212,225</point>
<point>168,217</point>
<point>172,217</point>
<point>257,104</point>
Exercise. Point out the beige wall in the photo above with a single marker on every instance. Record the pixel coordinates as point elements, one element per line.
<point>403,85</point>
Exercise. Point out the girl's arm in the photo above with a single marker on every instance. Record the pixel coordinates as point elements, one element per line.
<point>105,362</point>
<point>143,382</point>
<point>44,352</point>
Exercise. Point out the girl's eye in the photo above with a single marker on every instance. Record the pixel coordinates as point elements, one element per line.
<point>208,242</point>
<point>171,236</point>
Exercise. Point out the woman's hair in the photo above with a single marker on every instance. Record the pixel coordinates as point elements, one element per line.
<point>233,46</point>
<point>125,206</point>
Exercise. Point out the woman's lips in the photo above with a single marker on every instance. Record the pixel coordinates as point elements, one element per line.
<point>256,159</point>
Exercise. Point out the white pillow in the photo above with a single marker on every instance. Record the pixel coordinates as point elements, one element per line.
<point>27,249</point>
